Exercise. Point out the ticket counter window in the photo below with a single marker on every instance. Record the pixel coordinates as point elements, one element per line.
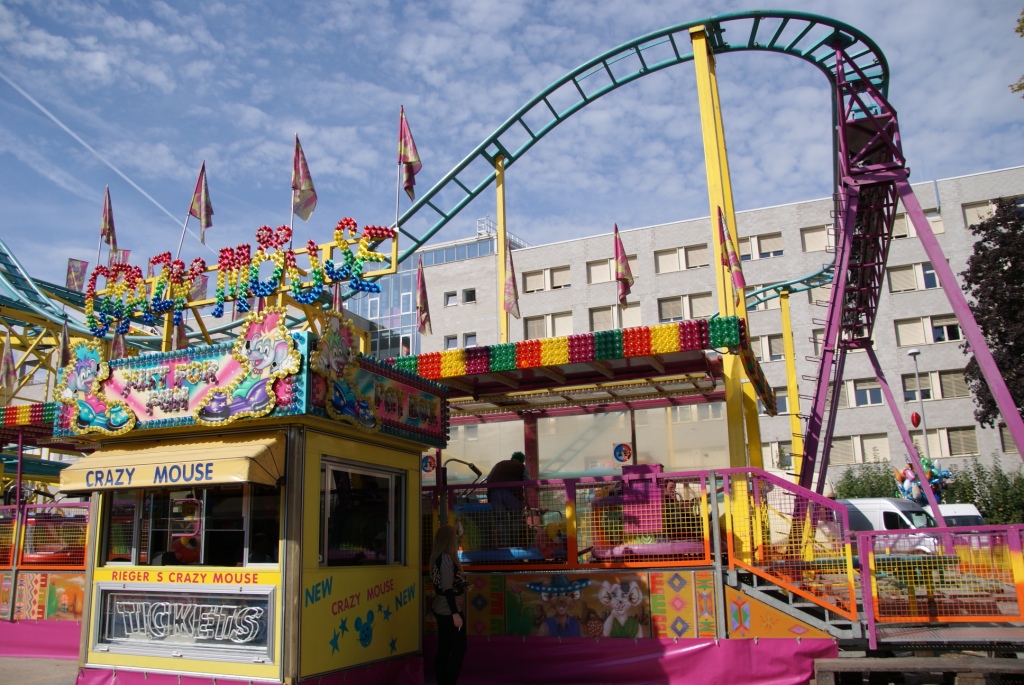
<point>228,525</point>
<point>362,516</point>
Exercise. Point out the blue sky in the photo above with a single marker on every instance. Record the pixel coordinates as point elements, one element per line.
<point>155,88</point>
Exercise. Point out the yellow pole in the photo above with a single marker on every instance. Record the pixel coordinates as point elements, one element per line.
<point>792,396</point>
<point>753,427</point>
<point>720,195</point>
<point>499,182</point>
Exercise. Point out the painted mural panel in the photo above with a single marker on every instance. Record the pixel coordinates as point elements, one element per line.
<point>352,617</point>
<point>747,618</point>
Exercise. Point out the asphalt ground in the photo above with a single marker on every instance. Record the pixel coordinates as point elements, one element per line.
<point>38,671</point>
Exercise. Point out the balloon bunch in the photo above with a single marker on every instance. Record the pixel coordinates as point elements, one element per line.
<point>909,486</point>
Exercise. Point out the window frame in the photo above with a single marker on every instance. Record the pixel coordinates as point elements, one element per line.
<point>451,298</point>
<point>396,534</point>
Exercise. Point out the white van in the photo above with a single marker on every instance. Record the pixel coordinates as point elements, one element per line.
<point>961,515</point>
<point>892,514</point>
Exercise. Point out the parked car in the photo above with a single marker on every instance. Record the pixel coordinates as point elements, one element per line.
<point>961,515</point>
<point>893,515</point>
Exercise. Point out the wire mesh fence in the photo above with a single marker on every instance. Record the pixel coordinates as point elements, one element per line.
<point>55,536</point>
<point>949,576</point>
<point>8,527</point>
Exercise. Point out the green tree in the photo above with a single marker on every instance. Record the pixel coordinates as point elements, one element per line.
<point>867,480</point>
<point>998,495</point>
<point>995,280</point>
<point>1019,85</point>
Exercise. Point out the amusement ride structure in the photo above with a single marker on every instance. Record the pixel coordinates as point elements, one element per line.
<point>771,531</point>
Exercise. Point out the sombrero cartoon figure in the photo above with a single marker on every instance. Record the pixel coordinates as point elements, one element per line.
<point>558,598</point>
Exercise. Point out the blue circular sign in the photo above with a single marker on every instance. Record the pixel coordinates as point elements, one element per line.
<point>623,453</point>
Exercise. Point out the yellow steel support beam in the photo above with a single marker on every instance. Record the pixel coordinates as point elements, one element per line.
<point>499,182</point>
<point>792,390</point>
<point>720,195</point>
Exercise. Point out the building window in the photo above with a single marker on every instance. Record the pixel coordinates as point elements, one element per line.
<point>451,342</point>
<point>744,244</point>
<point>820,294</point>
<point>755,347</point>
<point>874,447</point>
<point>910,387</point>
<point>976,212</point>
<point>533,281</point>
<point>666,261</point>
<point>469,339</point>
<point>842,451</point>
<point>560,278</point>
<point>451,299</point>
<point>953,384</point>
<point>818,338</point>
<point>909,332</point>
<point>702,305</point>
<point>867,393</point>
<point>682,414</point>
<point>781,399</point>
<point>945,329</point>
<point>533,327</point>
<point>670,309</point>
<point>815,239</point>
<point>900,228</point>
<point>599,272</point>
<point>629,315</point>
<point>601,319</point>
<point>776,351</point>
<point>902,279</point>
<point>561,324</point>
<point>709,412</point>
<point>963,442</point>
<point>697,256</point>
<point>1006,440</point>
<point>931,281</point>
<point>769,246</point>
<point>784,460</point>
<point>470,432</point>
<point>363,516</point>
<point>469,296</point>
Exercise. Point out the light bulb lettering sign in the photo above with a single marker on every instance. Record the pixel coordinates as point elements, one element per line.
<point>134,620</point>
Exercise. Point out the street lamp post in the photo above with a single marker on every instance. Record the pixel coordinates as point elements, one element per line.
<point>913,353</point>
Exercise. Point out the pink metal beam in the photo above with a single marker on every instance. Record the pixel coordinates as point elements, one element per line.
<point>956,298</point>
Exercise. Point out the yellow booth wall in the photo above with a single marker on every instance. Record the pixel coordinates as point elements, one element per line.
<point>353,615</point>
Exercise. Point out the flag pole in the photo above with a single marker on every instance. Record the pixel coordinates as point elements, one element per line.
<point>398,173</point>
<point>182,238</point>
<point>99,248</point>
<point>291,215</point>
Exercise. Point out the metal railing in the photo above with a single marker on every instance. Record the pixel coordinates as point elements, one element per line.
<point>790,536</point>
<point>8,530</point>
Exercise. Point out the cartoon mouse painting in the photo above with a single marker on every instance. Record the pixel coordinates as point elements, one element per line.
<point>78,388</point>
<point>620,598</point>
<point>265,352</point>
<point>365,629</point>
<point>335,358</point>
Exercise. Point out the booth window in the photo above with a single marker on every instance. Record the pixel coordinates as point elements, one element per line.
<point>363,515</point>
<point>224,525</point>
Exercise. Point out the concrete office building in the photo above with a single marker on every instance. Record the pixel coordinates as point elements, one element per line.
<point>567,288</point>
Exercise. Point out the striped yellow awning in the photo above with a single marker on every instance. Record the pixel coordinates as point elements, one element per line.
<point>251,458</point>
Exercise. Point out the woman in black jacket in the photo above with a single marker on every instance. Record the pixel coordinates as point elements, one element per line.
<point>449,605</point>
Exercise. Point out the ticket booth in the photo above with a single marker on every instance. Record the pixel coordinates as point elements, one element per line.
<point>254,509</point>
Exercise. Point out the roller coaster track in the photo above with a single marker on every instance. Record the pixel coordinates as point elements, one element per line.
<point>870,176</point>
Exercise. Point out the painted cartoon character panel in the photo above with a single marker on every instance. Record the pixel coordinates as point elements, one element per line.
<point>79,387</point>
<point>336,359</point>
<point>559,598</point>
<point>265,351</point>
<point>620,599</point>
